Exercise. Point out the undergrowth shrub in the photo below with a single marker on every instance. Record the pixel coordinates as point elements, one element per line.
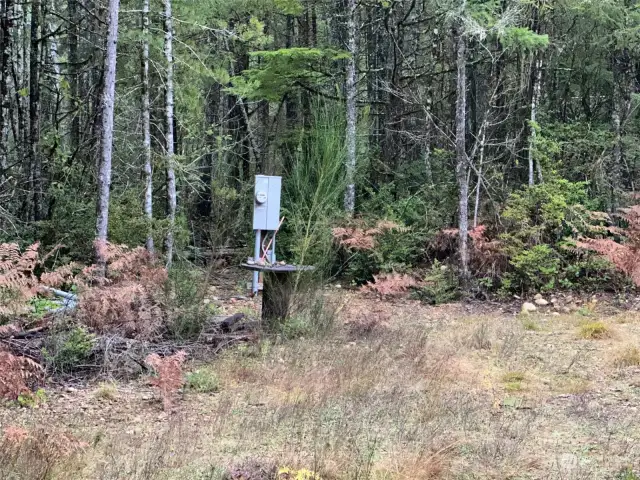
<point>18,375</point>
<point>66,349</point>
<point>534,269</point>
<point>129,299</point>
<point>440,285</point>
<point>390,284</point>
<point>187,313</point>
<point>22,275</point>
<point>627,357</point>
<point>625,253</point>
<point>534,249</point>
<point>487,261</point>
<point>32,399</point>
<point>287,473</point>
<point>311,314</point>
<point>169,377</point>
<point>594,330</point>
<point>371,246</point>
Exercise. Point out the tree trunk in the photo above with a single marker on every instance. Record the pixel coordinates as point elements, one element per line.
<point>19,129</point>
<point>6,8</point>
<point>34,112</point>
<point>621,108</point>
<point>462,167</point>
<point>74,80</point>
<point>146,127</point>
<point>476,207</point>
<point>351,91</point>
<point>536,89</point>
<point>106,138</point>
<point>169,133</point>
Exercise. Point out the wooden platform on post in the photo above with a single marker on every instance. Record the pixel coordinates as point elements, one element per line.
<point>277,289</point>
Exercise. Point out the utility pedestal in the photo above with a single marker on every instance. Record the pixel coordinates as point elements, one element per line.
<point>278,284</point>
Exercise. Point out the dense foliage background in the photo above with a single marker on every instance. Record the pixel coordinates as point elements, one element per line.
<point>518,116</point>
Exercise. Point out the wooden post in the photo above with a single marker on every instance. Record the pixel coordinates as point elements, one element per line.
<point>276,297</point>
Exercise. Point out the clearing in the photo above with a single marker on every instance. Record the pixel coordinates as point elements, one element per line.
<point>395,390</point>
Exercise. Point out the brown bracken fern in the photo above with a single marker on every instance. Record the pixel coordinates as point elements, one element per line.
<point>17,374</point>
<point>624,256</point>
<point>390,284</point>
<point>359,237</point>
<point>128,299</point>
<point>169,376</point>
<point>18,279</point>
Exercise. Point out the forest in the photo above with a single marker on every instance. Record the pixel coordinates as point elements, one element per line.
<point>460,173</point>
<point>145,124</point>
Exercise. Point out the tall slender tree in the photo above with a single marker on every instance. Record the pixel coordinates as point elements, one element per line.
<point>462,163</point>
<point>169,133</point>
<point>34,111</point>
<point>352,113</point>
<point>146,126</point>
<point>6,9</point>
<point>106,139</point>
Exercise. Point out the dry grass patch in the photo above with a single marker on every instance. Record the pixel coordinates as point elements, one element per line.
<point>570,385</point>
<point>424,465</point>
<point>597,330</point>
<point>629,356</point>
<point>628,317</point>
<point>107,391</point>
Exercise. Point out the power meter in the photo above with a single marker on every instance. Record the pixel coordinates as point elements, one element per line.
<point>261,197</point>
<point>266,207</point>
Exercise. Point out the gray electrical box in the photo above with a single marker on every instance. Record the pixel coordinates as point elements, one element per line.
<point>266,202</point>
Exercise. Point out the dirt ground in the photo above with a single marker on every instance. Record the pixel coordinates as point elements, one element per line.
<point>395,390</point>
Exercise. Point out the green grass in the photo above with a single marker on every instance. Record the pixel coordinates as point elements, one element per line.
<point>513,381</point>
<point>202,380</point>
<point>594,330</point>
<point>530,325</point>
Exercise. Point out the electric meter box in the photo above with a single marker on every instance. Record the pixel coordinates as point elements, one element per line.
<point>266,202</point>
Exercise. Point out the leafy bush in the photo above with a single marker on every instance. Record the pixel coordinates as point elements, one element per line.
<point>67,349</point>
<point>535,268</point>
<point>440,285</point>
<point>542,224</point>
<point>187,287</point>
<point>544,214</point>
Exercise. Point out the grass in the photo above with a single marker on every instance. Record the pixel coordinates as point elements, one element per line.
<point>628,357</point>
<point>202,380</point>
<point>432,395</point>
<point>513,381</point>
<point>106,391</point>
<point>530,324</point>
<point>594,330</point>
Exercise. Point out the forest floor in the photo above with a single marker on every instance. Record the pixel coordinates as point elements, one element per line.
<point>396,390</point>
